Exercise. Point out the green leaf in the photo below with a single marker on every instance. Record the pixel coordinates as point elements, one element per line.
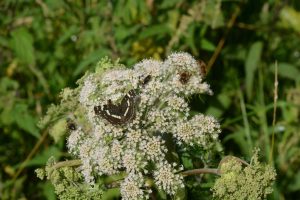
<point>187,162</point>
<point>159,29</point>
<point>190,38</point>
<point>24,120</point>
<point>287,70</point>
<point>48,191</point>
<point>169,3</point>
<point>123,32</point>
<point>22,45</point>
<point>251,65</point>
<point>113,193</point>
<point>92,58</point>
<point>7,116</point>
<point>207,45</point>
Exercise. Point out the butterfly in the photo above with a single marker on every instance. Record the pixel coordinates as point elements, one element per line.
<point>120,113</point>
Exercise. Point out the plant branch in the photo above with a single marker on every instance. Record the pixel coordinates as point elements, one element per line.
<point>201,171</point>
<point>226,158</point>
<point>31,154</point>
<point>222,40</point>
<point>67,163</point>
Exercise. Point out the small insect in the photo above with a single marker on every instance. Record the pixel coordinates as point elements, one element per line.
<point>202,67</point>
<point>121,113</point>
<point>146,80</point>
<point>184,77</point>
<point>71,125</point>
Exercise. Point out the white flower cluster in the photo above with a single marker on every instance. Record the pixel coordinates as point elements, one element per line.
<point>167,179</point>
<point>138,146</point>
<point>202,130</point>
<point>134,187</point>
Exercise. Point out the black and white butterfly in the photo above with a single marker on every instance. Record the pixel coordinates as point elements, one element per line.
<point>120,113</point>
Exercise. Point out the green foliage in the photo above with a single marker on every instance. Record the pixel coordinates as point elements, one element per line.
<point>46,45</point>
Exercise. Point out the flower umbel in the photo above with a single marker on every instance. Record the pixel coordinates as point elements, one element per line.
<point>132,121</point>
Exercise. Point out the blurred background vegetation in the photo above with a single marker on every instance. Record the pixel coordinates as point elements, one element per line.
<point>46,45</point>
